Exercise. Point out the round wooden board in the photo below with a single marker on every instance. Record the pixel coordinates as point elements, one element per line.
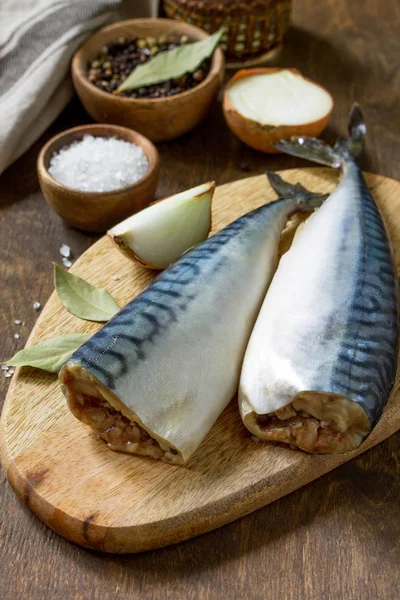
<point>120,503</point>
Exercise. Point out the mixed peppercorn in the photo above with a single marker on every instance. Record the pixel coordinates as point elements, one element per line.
<point>119,58</point>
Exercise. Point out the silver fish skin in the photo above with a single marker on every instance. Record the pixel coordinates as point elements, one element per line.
<point>321,360</point>
<point>170,360</point>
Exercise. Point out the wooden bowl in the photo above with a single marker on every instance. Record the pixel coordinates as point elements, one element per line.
<point>97,211</point>
<point>159,119</point>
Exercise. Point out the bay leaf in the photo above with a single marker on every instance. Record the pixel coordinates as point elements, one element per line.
<point>51,354</point>
<point>82,299</point>
<point>171,64</point>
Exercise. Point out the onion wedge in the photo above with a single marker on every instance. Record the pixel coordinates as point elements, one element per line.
<point>158,235</point>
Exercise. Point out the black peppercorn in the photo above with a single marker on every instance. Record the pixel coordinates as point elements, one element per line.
<point>118,59</point>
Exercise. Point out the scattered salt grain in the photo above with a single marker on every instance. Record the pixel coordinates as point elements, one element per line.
<point>16,336</point>
<point>65,250</point>
<point>4,367</point>
<point>36,305</point>
<point>98,164</point>
<point>66,262</point>
<point>115,277</point>
<point>9,373</point>
<point>17,322</point>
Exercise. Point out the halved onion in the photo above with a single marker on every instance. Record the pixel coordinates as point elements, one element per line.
<point>161,233</point>
<point>265,105</point>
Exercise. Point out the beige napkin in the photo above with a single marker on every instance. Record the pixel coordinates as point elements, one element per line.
<point>37,41</point>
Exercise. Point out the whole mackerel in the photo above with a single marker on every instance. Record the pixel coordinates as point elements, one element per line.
<point>154,379</point>
<point>322,357</point>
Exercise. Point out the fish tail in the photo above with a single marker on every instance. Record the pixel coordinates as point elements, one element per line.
<point>306,201</point>
<point>354,144</point>
<point>318,151</point>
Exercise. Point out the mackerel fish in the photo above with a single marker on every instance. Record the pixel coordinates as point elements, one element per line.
<point>321,360</point>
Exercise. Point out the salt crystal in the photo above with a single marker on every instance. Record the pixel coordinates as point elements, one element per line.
<point>65,250</point>
<point>115,277</point>
<point>9,373</point>
<point>17,321</point>
<point>66,262</point>
<point>4,367</point>
<point>99,164</point>
<point>16,336</point>
<point>37,306</point>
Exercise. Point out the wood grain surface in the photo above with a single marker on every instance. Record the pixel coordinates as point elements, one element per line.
<point>117,503</point>
<point>338,537</point>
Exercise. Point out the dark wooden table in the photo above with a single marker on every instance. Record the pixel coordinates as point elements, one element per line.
<point>338,537</point>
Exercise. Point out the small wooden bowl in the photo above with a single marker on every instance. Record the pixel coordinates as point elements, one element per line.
<point>159,119</point>
<point>97,211</point>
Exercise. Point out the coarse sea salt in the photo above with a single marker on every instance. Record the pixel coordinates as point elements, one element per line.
<point>98,164</point>
<point>65,251</point>
<point>66,262</point>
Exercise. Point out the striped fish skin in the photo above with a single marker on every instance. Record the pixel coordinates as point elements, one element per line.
<point>163,303</point>
<point>326,338</point>
<point>366,367</point>
<point>172,356</point>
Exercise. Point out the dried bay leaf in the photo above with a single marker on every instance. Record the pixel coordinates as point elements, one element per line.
<point>83,299</point>
<point>49,355</point>
<point>171,64</point>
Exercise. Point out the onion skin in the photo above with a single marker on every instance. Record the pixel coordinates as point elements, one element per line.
<point>263,137</point>
<point>118,241</point>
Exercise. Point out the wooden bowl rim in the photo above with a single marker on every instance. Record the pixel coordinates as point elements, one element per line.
<point>78,64</point>
<point>137,138</point>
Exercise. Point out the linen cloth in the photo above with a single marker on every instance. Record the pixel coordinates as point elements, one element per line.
<point>37,41</point>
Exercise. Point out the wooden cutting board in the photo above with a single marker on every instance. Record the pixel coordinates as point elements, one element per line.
<point>120,503</point>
